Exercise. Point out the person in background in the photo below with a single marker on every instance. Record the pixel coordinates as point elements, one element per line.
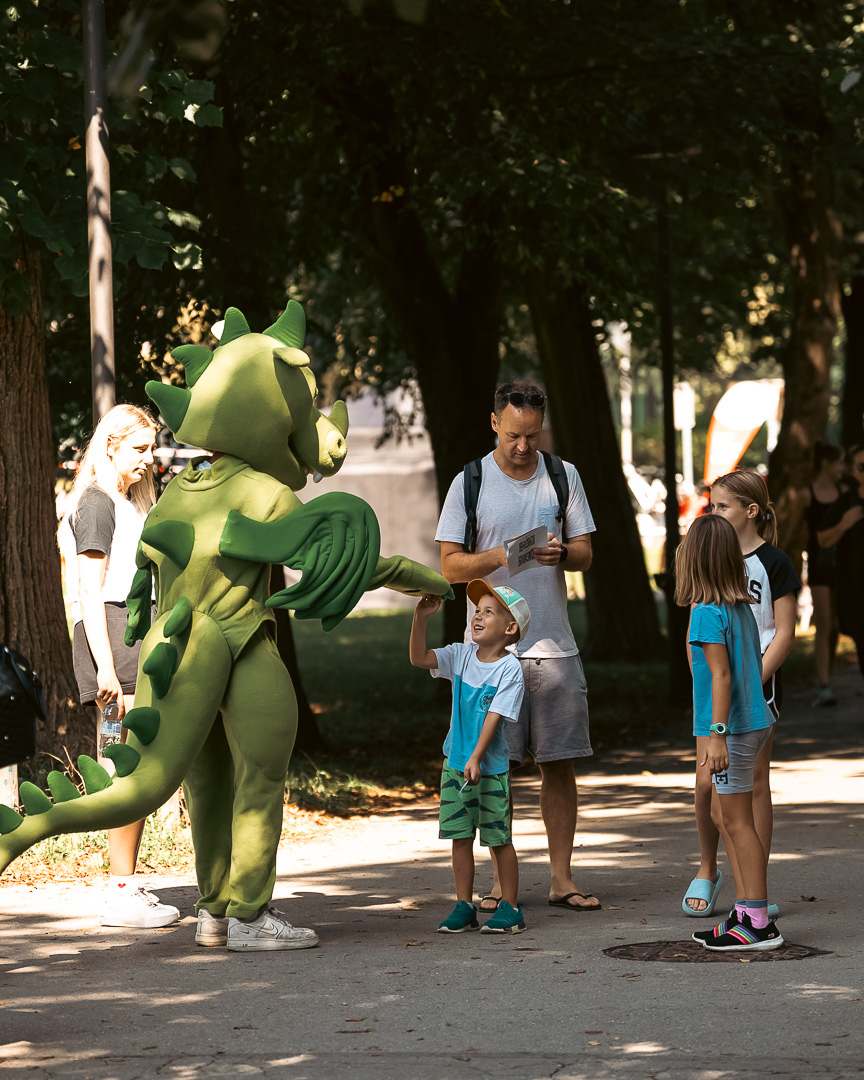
<point>110,499</point>
<point>843,527</point>
<point>829,466</point>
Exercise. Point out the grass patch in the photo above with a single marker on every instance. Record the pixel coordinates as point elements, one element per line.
<point>384,723</point>
<point>165,845</point>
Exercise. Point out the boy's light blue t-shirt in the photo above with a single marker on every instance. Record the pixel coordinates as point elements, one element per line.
<point>734,626</point>
<point>478,689</point>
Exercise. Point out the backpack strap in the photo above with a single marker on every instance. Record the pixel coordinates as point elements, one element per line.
<point>472,474</point>
<point>558,476</point>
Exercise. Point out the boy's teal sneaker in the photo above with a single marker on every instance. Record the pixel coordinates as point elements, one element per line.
<point>463,917</point>
<point>506,920</point>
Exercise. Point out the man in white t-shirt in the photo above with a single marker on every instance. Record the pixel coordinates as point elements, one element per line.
<point>517,495</point>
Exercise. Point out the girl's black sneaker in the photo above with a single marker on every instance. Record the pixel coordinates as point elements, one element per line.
<point>746,938</point>
<point>704,936</point>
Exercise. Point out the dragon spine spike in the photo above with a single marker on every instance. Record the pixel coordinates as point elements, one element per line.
<point>125,758</point>
<point>138,602</point>
<point>160,665</point>
<point>290,327</point>
<point>172,402</point>
<point>195,360</point>
<point>95,777</point>
<point>339,417</point>
<point>235,326</point>
<point>34,799</point>
<point>143,723</point>
<point>9,819</point>
<point>62,787</point>
<point>172,538</point>
<point>179,619</point>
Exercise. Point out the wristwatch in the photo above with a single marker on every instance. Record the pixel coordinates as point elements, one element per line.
<point>719,729</point>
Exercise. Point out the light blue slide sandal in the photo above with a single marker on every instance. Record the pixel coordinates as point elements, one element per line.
<point>702,889</point>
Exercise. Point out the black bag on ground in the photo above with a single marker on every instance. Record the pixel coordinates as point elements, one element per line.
<point>21,702</point>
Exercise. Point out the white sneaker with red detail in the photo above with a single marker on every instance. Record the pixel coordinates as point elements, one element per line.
<point>133,905</point>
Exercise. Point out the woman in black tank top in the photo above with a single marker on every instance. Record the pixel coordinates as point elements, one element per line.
<point>821,496</point>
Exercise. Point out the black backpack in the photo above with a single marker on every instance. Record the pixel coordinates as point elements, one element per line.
<point>472,475</point>
<point>21,702</point>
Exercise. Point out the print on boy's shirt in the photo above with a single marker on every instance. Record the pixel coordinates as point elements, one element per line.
<point>754,587</point>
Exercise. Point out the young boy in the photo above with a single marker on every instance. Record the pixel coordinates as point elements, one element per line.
<point>475,782</point>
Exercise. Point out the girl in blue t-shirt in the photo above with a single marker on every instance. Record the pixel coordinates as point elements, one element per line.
<point>730,711</point>
<point>741,497</point>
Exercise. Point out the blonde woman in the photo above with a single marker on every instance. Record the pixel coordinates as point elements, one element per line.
<point>110,499</point>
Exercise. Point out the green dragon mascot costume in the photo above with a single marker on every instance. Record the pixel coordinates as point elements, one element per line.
<point>214,707</point>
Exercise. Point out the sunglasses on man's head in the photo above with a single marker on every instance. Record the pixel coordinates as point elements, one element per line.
<point>517,399</point>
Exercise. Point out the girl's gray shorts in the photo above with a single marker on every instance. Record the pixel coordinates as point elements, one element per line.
<point>743,751</point>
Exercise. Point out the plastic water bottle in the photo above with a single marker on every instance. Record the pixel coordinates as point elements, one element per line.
<point>110,728</point>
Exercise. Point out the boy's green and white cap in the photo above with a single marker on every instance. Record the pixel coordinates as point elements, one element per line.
<point>515,603</point>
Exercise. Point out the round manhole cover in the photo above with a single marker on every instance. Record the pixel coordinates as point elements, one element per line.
<point>691,952</point>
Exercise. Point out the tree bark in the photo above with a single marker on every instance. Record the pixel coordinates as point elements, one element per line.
<point>852,405</point>
<point>32,616</point>
<point>813,232</point>
<point>622,614</point>
<point>450,335</point>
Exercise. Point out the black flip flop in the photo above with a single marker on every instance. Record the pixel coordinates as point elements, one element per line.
<point>490,910</point>
<point>562,902</point>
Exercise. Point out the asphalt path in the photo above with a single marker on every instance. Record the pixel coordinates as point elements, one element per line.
<point>385,996</point>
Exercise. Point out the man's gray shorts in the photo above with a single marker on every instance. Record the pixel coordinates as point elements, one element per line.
<point>553,723</point>
<point>743,750</point>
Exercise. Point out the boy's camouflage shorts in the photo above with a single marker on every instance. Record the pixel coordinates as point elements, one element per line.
<point>484,806</point>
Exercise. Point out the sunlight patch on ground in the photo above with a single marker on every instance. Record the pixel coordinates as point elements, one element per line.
<point>818,781</point>
<point>829,993</point>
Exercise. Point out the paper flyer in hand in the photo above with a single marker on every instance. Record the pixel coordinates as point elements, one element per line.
<point>520,550</point>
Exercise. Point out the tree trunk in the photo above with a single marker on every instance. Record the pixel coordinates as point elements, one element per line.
<point>813,232</point>
<point>622,614</point>
<point>852,406</point>
<point>451,338</point>
<point>32,616</point>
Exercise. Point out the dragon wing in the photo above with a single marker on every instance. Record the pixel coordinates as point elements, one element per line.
<point>334,541</point>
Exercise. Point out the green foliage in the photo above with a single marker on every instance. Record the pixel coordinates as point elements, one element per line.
<point>43,190</point>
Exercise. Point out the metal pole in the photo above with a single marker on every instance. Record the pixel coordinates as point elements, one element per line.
<point>98,211</point>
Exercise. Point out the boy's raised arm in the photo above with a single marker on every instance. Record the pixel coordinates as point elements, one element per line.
<point>420,655</point>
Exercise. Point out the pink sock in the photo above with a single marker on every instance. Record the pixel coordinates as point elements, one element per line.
<point>758,912</point>
<point>740,907</point>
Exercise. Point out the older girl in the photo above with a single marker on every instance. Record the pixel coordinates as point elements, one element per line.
<point>730,716</point>
<point>110,499</point>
